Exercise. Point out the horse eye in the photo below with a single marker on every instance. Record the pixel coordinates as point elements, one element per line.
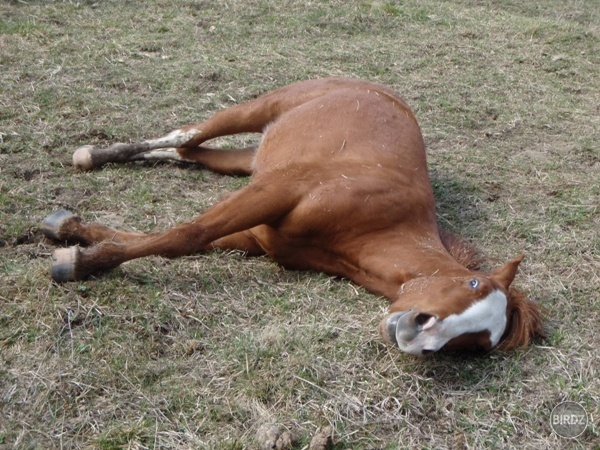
<point>474,283</point>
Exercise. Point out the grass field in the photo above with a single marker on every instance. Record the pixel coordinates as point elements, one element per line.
<point>201,352</point>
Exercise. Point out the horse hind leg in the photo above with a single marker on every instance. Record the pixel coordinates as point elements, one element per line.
<point>251,117</point>
<point>89,157</point>
<point>227,162</point>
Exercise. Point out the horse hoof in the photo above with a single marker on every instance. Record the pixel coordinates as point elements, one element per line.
<point>82,158</point>
<point>51,224</point>
<point>64,261</point>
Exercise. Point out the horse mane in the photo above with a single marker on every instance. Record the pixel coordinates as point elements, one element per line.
<point>462,251</point>
<point>524,315</point>
<point>524,321</point>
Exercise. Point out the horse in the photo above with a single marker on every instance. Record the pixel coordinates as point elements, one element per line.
<point>340,185</point>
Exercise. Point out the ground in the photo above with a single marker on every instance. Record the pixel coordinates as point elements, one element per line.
<point>201,352</point>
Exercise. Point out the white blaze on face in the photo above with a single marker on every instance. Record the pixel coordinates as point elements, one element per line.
<point>487,314</point>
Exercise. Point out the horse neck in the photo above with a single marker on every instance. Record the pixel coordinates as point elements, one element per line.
<point>390,261</point>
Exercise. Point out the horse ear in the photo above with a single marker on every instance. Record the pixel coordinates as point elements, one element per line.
<point>506,274</point>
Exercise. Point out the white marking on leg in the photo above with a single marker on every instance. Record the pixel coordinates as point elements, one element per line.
<point>176,138</point>
<point>167,154</point>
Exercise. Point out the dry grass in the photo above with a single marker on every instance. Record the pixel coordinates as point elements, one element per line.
<point>202,351</point>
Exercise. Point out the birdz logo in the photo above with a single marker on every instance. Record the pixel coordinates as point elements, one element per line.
<point>568,419</point>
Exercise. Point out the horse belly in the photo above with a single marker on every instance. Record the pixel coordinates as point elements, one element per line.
<point>334,213</point>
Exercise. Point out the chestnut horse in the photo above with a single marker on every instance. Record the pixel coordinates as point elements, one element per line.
<point>339,185</point>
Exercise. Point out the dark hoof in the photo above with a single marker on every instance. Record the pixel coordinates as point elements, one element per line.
<point>64,261</point>
<point>51,224</point>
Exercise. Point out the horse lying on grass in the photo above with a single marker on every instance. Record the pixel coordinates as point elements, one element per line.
<point>339,185</point>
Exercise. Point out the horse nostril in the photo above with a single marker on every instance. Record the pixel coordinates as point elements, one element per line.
<point>427,352</point>
<point>423,318</point>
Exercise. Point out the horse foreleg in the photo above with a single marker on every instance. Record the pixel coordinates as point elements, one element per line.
<point>257,204</point>
<point>64,226</point>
